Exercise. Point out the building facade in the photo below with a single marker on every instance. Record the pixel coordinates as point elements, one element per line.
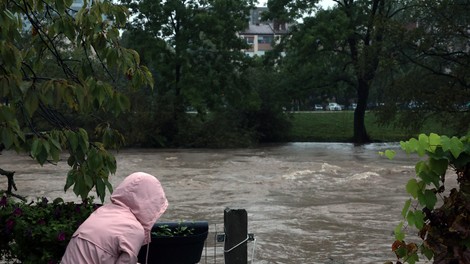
<point>260,35</point>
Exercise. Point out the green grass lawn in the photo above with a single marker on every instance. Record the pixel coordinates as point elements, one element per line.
<point>337,126</point>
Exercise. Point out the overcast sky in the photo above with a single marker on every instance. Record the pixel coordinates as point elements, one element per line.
<point>324,3</point>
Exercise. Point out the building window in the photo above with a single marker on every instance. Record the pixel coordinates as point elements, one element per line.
<point>250,40</point>
<point>265,39</point>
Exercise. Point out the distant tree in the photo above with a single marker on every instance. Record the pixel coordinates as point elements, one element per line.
<point>431,61</point>
<point>343,45</point>
<point>194,52</point>
<point>57,62</point>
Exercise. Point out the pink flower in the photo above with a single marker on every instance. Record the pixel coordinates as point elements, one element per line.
<point>61,236</point>
<point>3,201</point>
<point>10,224</point>
<point>17,211</point>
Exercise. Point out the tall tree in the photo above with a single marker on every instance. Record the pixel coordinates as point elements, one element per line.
<point>352,35</point>
<point>52,59</point>
<point>432,80</point>
<point>195,52</point>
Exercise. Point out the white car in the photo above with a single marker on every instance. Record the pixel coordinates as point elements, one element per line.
<point>333,107</point>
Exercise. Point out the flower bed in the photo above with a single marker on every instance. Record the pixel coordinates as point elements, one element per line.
<point>38,232</point>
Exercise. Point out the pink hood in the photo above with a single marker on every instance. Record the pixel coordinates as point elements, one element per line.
<point>143,194</point>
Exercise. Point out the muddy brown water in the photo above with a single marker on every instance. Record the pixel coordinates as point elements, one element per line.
<point>306,202</point>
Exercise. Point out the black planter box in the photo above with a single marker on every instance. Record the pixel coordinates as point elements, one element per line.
<point>176,249</point>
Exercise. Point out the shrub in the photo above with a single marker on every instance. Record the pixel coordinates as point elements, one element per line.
<point>441,216</point>
<point>38,232</point>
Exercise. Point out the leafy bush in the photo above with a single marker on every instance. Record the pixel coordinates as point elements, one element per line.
<point>167,231</point>
<point>38,232</point>
<point>443,221</point>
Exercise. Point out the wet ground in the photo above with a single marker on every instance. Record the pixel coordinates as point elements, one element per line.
<point>306,202</point>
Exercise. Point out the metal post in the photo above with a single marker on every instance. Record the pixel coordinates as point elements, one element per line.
<point>236,236</point>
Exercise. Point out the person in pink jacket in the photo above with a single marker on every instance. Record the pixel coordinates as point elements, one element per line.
<point>116,231</point>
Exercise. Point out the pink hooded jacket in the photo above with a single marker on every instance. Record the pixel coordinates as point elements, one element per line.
<point>115,232</point>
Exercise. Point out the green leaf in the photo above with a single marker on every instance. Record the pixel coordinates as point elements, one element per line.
<point>4,86</point>
<point>42,155</point>
<point>410,218</point>
<point>423,144</point>
<point>420,167</point>
<point>124,102</point>
<point>25,86</point>
<point>69,29</point>
<point>412,188</point>
<point>112,33</point>
<point>430,199</point>
<point>108,185</point>
<point>411,145</point>
<point>7,137</point>
<point>31,103</point>
<point>390,154</point>
<point>454,145</point>
<point>398,231</point>
<point>54,143</point>
<point>72,139</point>
<point>405,209</point>
<point>70,180</point>
<point>83,139</point>
<point>427,252</point>
<point>135,55</point>
<point>100,188</point>
<point>428,176</point>
<point>401,252</point>
<point>111,56</point>
<point>78,183</point>
<point>68,3</point>
<point>60,5</point>
<point>111,163</point>
<point>80,188</point>
<point>46,146</point>
<point>121,17</point>
<point>58,200</point>
<point>71,161</point>
<point>94,160</point>
<point>434,141</point>
<point>55,154</point>
<point>419,219</point>
<point>439,166</point>
<point>35,147</point>
<point>413,258</point>
<point>88,178</point>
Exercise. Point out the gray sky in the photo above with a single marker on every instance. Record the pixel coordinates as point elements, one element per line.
<point>324,3</point>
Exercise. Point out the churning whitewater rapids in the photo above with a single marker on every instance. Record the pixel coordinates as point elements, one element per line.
<point>306,202</point>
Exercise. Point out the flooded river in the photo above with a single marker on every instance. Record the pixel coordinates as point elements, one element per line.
<point>306,202</point>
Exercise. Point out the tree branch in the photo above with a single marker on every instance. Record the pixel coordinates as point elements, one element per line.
<point>11,183</point>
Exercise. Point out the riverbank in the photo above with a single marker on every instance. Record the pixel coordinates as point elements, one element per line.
<point>337,126</point>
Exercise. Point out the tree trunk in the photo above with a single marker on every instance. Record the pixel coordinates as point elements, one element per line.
<point>360,132</point>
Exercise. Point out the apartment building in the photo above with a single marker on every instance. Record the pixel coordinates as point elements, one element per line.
<point>262,35</point>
